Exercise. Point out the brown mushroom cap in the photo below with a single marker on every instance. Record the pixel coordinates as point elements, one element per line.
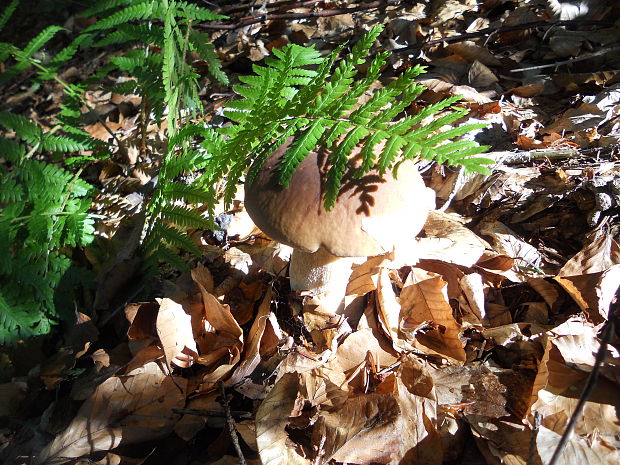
<point>370,216</point>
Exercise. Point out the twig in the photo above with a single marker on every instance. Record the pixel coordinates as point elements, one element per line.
<point>588,388</point>
<point>272,6</point>
<point>499,30</point>
<point>213,413</point>
<point>231,425</point>
<point>568,62</point>
<point>311,14</point>
<point>532,450</point>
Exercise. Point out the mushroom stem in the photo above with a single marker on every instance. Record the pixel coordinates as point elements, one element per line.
<point>320,272</point>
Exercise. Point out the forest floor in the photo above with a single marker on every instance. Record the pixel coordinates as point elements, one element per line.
<point>473,345</point>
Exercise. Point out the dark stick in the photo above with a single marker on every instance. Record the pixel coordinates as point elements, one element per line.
<point>231,425</point>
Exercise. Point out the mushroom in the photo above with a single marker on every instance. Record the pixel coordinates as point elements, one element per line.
<point>371,216</point>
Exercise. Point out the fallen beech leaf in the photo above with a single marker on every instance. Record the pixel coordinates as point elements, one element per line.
<point>449,240</point>
<point>220,340</point>
<point>394,427</point>
<point>569,357</point>
<point>203,276</point>
<point>272,417</point>
<point>593,292</point>
<point>596,256</point>
<point>422,299</point>
<point>251,355</point>
<point>123,410</point>
<point>174,328</point>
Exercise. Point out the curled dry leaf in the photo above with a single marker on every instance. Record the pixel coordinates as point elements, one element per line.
<point>271,419</point>
<point>126,409</point>
<point>422,299</point>
<point>174,328</point>
<point>220,340</point>
<point>569,356</point>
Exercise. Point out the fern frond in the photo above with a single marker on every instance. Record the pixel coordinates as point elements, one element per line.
<point>191,11</point>
<point>23,127</point>
<point>12,150</point>
<point>186,192</point>
<point>7,13</point>
<point>175,238</point>
<point>300,149</point>
<point>105,5</point>
<point>63,144</point>
<point>207,52</point>
<point>183,216</point>
<point>339,158</point>
<point>16,321</point>
<point>139,11</point>
<point>41,39</point>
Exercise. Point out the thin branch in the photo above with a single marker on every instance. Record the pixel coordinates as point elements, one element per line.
<point>569,61</point>
<point>231,425</point>
<point>247,21</point>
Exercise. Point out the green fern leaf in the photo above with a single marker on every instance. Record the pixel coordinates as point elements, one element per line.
<point>12,150</point>
<point>183,217</point>
<point>7,13</point>
<point>105,5</point>
<point>62,144</point>
<point>23,127</point>
<point>139,11</point>
<point>175,238</point>
<point>191,11</point>
<point>300,149</point>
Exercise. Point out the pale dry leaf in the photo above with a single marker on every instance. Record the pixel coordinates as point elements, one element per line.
<point>392,427</point>
<point>364,277</point>
<point>449,240</point>
<point>578,451</point>
<point>422,299</point>
<point>569,357</point>
<point>202,275</point>
<point>481,76</point>
<point>547,291</point>
<point>505,241</point>
<point>597,255</point>
<point>220,340</point>
<point>190,425</point>
<point>352,355</point>
<point>134,408</point>
<point>473,290</point>
<point>388,308</point>
<point>251,353</point>
<point>594,292</point>
<point>174,328</point>
<point>271,420</point>
<point>470,51</point>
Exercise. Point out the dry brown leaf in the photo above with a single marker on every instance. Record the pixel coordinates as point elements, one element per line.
<point>470,51</point>
<point>220,340</point>
<point>481,76</point>
<point>596,256</point>
<point>394,427</point>
<point>174,328</point>
<point>271,419</point>
<point>593,292</point>
<point>569,356</point>
<point>422,300</point>
<point>134,408</point>
<point>449,240</point>
<point>251,352</point>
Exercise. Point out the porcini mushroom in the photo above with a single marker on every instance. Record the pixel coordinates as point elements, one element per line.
<point>371,216</point>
